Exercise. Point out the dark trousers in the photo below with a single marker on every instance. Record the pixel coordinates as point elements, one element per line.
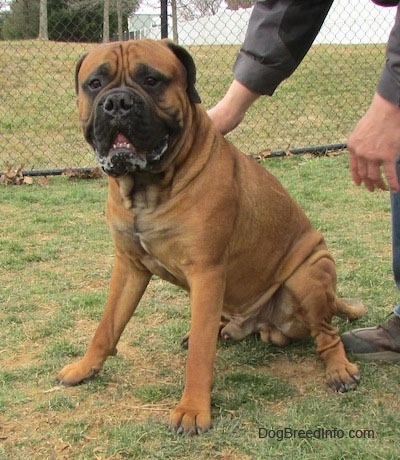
<point>395,202</point>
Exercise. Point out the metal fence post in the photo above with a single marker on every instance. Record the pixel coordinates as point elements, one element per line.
<point>164,18</point>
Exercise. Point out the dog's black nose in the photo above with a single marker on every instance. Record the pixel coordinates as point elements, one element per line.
<point>118,104</point>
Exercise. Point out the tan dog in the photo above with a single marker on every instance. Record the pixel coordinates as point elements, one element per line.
<point>186,205</point>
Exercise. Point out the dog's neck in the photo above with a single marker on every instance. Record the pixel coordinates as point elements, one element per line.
<point>146,189</point>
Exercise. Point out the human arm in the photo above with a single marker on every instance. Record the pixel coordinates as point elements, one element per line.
<point>375,141</point>
<point>279,34</point>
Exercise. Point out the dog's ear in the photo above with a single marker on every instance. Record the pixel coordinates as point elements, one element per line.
<point>190,67</point>
<point>77,68</point>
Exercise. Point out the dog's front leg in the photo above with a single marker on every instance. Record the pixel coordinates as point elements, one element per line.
<point>193,413</point>
<point>126,288</point>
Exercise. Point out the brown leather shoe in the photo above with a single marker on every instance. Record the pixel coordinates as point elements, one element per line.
<point>379,343</point>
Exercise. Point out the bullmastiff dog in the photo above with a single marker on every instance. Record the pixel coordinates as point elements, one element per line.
<point>184,204</point>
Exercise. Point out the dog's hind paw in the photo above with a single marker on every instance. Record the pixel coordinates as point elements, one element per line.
<point>343,378</point>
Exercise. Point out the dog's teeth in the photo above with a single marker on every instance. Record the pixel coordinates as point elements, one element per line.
<point>122,145</point>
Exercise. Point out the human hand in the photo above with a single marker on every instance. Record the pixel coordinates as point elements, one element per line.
<point>231,109</point>
<point>375,143</point>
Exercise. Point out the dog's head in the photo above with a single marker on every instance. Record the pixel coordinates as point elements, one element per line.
<point>133,100</point>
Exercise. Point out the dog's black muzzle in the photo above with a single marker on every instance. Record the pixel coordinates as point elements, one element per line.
<point>127,134</point>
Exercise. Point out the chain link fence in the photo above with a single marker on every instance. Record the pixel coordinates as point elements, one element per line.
<point>318,106</point>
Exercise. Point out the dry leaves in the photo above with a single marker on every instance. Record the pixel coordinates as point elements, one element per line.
<point>84,173</point>
<point>323,151</point>
<point>13,175</point>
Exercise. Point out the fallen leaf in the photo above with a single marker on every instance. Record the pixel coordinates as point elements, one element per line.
<point>43,181</point>
<point>12,175</point>
<point>74,174</point>
<point>27,180</point>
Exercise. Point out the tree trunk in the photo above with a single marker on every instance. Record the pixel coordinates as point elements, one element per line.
<point>106,21</point>
<point>43,34</point>
<point>175,36</point>
<point>119,16</point>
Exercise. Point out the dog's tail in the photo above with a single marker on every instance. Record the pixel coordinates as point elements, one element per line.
<point>349,308</point>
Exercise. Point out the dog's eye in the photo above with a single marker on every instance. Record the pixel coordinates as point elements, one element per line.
<point>94,84</point>
<point>151,81</point>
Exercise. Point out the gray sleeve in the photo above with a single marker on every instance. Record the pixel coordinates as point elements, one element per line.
<point>279,34</point>
<point>389,83</point>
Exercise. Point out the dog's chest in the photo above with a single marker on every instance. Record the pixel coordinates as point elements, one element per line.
<point>159,252</point>
<point>151,233</point>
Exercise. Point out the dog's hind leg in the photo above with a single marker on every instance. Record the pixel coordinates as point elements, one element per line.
<point>313,289</point>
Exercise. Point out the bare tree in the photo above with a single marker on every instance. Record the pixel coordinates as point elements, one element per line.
<point>193,9</point>
<point>175,37</point>
<point>236,4</point>
<point>119,18</point>
<point>43,33</point>
<point>106,21</point>
<point>123,8</point>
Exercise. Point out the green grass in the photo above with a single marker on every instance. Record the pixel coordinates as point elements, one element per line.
<point>55,264</point>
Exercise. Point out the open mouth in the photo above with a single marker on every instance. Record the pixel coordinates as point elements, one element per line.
<point>123,157</point>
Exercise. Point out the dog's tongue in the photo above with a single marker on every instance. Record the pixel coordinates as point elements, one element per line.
<point>120,139</point>
<point>121,142</point>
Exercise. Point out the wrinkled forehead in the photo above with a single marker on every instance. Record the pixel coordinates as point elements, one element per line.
<point>122,59</point>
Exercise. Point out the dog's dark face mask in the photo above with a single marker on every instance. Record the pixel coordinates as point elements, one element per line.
<point>130,125</point>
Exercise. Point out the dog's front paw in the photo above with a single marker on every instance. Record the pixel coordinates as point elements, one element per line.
<point>190,420</point>
<point>343,377</point>
<point>76,373</point>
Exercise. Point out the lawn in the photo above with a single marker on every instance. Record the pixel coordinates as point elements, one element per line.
<point>55,263</point>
